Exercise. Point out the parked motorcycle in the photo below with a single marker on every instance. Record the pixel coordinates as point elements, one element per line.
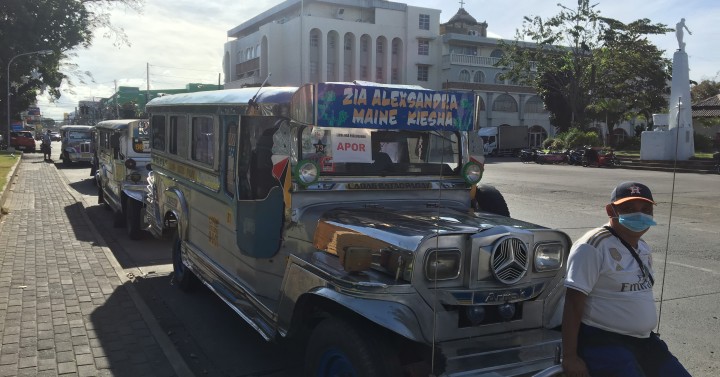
<point>599,157</point>
<point>528,155</point>
<point>575,156</point>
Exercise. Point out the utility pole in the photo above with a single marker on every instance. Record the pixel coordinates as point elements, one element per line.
<point>117,109</point>
<point>147,91</point>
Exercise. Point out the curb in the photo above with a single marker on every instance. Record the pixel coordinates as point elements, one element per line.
<point>12,176</point>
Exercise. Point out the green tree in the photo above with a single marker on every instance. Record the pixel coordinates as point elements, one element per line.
<point>577,57</point>
<point>704,90</point>
<point>57,25</point>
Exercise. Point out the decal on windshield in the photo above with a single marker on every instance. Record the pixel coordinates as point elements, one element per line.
<point>352,106</point>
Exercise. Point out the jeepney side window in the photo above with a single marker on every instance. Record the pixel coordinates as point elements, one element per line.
<point>158,132</point>
<point>178,136</point>
<point>203,140</point>
<point>230,157</point>
<point>104,141</point>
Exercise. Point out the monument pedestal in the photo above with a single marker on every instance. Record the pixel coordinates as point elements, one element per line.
<point>678,141</point>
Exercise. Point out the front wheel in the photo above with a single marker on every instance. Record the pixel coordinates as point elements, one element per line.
<point>337,348</point>
<point>133,219</point>
<point>182,276</point>
<point>489,199</point>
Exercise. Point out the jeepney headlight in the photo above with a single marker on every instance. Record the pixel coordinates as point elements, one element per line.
<point>472,172</point>
<point>442,265</point>
<point>307,172</point>
<point>130,163</point>
<point>548,256</point>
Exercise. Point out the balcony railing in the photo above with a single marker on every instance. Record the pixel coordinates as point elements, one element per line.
<point>475,61</point>
<point>247,66</point>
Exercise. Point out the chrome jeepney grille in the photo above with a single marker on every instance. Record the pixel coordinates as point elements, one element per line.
<point>85,147</point>
<point>509,260</point>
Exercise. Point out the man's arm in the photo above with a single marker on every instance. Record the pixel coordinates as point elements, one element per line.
<point>573,365</point>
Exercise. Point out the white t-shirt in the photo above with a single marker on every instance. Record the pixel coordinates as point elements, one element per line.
<point>619,298</point>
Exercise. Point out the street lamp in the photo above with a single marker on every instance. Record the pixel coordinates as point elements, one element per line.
<point>7,126</point>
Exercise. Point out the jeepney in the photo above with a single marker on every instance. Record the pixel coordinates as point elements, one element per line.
<point>76,144</point>
<point>342,215</point>
<point>122,153</point>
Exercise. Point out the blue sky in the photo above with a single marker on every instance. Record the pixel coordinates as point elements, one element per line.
<point>182,40</point>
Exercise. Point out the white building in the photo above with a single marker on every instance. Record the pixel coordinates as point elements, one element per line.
<point>468,63</point>
<point>301,41</point>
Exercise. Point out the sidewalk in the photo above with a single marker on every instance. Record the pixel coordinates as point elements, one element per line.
<point>65,307</point>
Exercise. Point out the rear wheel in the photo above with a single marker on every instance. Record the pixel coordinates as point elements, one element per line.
<point>489,199</point>
<point>182,276</point>
<point>337,348</point>
<point>133,219</point>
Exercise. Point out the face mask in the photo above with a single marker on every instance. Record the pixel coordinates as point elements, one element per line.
<point>636,221</point>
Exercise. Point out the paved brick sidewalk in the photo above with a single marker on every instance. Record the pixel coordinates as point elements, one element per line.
<point>63,308</point>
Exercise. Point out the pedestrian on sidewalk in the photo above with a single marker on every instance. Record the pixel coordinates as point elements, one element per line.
<point>609,306</point>
<point>45,146</point>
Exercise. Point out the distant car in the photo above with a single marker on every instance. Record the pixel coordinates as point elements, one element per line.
<point>23,141</point>
<point>55,136</point>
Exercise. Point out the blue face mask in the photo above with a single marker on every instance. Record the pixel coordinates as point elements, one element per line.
<point>636,221</point>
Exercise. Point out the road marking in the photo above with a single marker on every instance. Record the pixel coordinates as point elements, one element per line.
<point>690,267</point>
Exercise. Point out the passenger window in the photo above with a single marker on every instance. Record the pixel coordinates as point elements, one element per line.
<point>230,158</point>
<point>203,142</point>
<point>158,132</point>
<point>178,136</point>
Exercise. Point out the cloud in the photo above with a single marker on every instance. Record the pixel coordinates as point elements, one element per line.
<point>182,40</point>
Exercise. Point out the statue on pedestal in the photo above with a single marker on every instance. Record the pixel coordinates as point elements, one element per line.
<point>679,33</point>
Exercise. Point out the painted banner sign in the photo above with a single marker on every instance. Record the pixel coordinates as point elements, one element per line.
<point>376,107</point>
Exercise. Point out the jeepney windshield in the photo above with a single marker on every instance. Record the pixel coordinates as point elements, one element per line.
<point>141,137</point>
<point>363,151</point>
<point>79,135</point>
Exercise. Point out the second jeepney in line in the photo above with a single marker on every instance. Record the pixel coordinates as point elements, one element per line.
<point>348,216</point>
<point>122,152</point>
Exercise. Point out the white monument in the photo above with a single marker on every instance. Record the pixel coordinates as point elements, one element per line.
<point>673,137</point>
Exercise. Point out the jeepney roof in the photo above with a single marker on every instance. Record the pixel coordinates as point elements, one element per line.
<point>117,124</point>
<point>227,97</point>
<point>76,127</point>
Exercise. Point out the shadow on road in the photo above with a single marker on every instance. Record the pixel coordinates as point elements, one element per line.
<point>212,339</point>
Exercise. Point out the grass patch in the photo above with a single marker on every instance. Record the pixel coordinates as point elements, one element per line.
<point>6,162</point>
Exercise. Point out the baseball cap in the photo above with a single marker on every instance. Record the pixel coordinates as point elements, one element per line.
<point>631,190</point>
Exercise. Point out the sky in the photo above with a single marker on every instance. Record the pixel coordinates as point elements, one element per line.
<point>181,41</point>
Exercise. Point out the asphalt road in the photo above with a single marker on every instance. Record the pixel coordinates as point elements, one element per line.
<point>214,341</point>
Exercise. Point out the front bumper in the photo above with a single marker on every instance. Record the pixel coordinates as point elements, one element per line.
<point>502,355</point>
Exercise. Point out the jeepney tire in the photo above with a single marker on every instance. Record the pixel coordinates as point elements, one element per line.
<point>182,276</point>
<point>489,199</point>
<point>133,220</point>
<point>337,348</point>
<point>101,197</point>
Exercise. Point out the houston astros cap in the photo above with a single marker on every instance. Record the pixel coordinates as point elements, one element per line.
<point>629,191</point>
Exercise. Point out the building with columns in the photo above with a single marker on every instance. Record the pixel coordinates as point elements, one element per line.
<point>301,41</point>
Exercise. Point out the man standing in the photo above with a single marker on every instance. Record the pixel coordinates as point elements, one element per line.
<point>45,146</point>
<point>609,310</point>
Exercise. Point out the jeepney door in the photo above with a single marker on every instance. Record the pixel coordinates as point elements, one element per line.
<point>260,199</point>
<point>116,169</point>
